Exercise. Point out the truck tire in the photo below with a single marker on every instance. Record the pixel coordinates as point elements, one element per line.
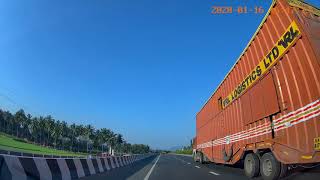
<point>270,167</point>
<point>195,157</point>
<point>201,159</point>
<point>251,165</point>
<point>284,170</point>
<point>227,157</point>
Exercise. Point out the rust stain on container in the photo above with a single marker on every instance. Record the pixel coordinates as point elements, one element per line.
<point>272,93</point>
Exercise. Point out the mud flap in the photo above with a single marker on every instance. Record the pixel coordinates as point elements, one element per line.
<point>227,157</point>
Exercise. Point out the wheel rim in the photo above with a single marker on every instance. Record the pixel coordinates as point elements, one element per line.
<point>267,167</point>
<point>249,165</point>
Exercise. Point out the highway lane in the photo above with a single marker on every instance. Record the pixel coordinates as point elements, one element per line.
<point>169,166</point>
<point>181,167</point>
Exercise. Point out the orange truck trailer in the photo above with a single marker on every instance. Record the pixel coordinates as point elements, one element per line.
<point>266,112</point>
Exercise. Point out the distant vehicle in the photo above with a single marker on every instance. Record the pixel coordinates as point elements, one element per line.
<point>265,113</point>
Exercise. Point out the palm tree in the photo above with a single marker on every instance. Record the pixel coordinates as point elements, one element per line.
<point>2,122</point>
<point>57,132</point>
<point>89,133</point>
<point>49,124</point>
<point>34,129</point>
<point>42,130</point>
<point>19,119</point>
<point>73,135</point>
<point>26,127</point>
<point>42,127</point>
<point>89,130</point>
<point>119,141</point>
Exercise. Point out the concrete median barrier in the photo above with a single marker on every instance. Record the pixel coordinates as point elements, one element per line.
<point>23,168</point>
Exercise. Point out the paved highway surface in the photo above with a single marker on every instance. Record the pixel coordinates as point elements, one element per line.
<point>170,166</point>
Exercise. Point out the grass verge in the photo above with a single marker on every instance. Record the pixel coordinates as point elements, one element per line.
<point>10,143</point>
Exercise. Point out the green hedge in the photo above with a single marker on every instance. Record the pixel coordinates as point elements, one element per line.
<point>186,151</point>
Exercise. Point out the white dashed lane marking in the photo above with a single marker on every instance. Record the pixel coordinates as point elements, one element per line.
<point>211,172</point>
<point>150,171</point>
<point>214,173</point>
<point>182,160</point>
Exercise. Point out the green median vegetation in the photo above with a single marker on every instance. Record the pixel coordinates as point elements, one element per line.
<point>184,151</point>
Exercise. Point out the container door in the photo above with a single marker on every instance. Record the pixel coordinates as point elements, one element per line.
<point>259,103</point>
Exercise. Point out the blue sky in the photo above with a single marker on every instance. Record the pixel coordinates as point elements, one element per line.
<point>141,68</point>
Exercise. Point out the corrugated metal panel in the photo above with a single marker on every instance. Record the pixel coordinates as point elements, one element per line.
<point>299,76</point>
<point>294,82</point>
<point>246,108</point>
<point>243,52</point>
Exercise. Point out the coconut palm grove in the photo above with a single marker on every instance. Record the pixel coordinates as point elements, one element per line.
<point>21,132</point>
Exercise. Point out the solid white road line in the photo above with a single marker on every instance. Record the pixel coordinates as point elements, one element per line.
<point>197,167</point>
<point>150,171</point>
<point>214,173</point>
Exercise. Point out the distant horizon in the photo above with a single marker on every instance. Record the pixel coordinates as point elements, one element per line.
<point>142,69</point>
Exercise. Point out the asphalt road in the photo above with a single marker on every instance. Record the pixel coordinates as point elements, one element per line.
<point>177,167</point>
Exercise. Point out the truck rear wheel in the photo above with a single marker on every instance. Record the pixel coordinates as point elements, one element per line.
<point>195,157</point>
<point>284,170</point>
<point>201,160</point>
<point>270,167</point>
<point>251,165</point>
